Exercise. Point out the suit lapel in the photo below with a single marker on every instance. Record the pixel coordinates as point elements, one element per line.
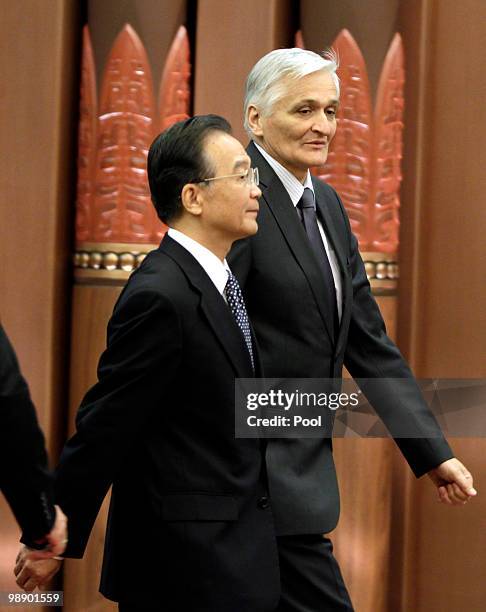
<point>282,208</point>
<point>329,227</point>
<point>259,373</point>
<point>213,306</point>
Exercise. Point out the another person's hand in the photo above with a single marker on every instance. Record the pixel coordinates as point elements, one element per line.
<point>56,539</point>
<point>453,481</point>
<point>32,573</point>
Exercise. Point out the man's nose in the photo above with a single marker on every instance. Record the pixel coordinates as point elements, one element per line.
<point>255,192</point>
<point>322,124</point>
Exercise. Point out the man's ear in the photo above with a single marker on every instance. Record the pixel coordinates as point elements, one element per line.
<point>191,199</point>
<point>255,120</point>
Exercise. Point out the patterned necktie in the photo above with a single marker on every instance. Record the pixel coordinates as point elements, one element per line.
<point>238,309</point>
<point>309,219</point>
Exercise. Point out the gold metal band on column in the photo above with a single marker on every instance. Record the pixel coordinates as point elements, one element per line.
<point>382,272</point>
<point>108,263</point>
<point>112,263</point>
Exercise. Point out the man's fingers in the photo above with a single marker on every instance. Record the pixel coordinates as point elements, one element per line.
<point>444,496</point>
<point>22,577</point>
<point>465,481</point>
<point>457,494</point>
<point>37,555</point>
<point>30,585</point>
<point>20,560</point>
<point>18,566</point>
<point>56,548</point>
<point>453,481</point>
<point>35,573</point>
<point>57,538</point>
<point>452,495</point>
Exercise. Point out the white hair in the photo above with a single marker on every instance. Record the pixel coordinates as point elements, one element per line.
<point>264,83</point>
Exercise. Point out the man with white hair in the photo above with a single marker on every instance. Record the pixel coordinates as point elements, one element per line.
<point>310,302</point>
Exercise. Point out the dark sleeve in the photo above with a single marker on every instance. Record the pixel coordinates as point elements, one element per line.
<point>370,354</point>
<point>24,476</point>
<point>142,356</point>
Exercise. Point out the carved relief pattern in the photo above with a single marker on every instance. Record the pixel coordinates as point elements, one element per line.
<point>388,150</point>
<point>86,141</point>
<point>349,167</point>
<point>174,93</point>
<point>122,207</point>
<point>113,199</point>
<point>364,159</point>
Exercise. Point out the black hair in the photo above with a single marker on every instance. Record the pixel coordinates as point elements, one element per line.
<point>176,158</point>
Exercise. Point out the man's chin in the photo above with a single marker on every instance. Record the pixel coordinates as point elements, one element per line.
<point>313,158</point>
<point>250,229</point>
<point>317,161</point>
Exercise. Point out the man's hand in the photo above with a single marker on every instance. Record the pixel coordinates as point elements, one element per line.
<point>453,481</point>
<point>56,538</point>
<point>33,573</point>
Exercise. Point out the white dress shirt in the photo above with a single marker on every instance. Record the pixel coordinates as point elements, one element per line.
<point>216,269</point>
<point>295,189</point>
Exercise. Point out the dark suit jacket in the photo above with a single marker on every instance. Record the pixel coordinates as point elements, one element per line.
<point>24,477</point>
<point>187,528</point>
<point>283,289</point>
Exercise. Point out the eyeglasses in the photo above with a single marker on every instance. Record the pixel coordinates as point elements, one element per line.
<point>250,177</point>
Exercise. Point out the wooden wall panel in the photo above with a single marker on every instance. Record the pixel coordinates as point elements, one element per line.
<point>362,537</point>
<point>39,68</point>
<point>448,254</point>
<point>442,320</point>
<point>448,544</point>
<point>231,37</point>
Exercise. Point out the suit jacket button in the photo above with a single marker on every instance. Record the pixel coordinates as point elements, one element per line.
<point>263,502</point>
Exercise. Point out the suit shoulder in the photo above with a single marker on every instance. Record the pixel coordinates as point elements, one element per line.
<point>327,193</point>
<point>158,278</point>
<point>158,272</point>
<point>325,190</point>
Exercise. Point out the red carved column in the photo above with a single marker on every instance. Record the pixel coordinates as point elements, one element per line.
<point>122,211</point>
<point>116,224</point>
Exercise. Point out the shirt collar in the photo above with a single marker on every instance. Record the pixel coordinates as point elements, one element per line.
<point>216,269</point>
<point>293,186</point>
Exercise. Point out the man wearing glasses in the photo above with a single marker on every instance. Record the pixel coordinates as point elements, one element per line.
<point>189,527</point>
